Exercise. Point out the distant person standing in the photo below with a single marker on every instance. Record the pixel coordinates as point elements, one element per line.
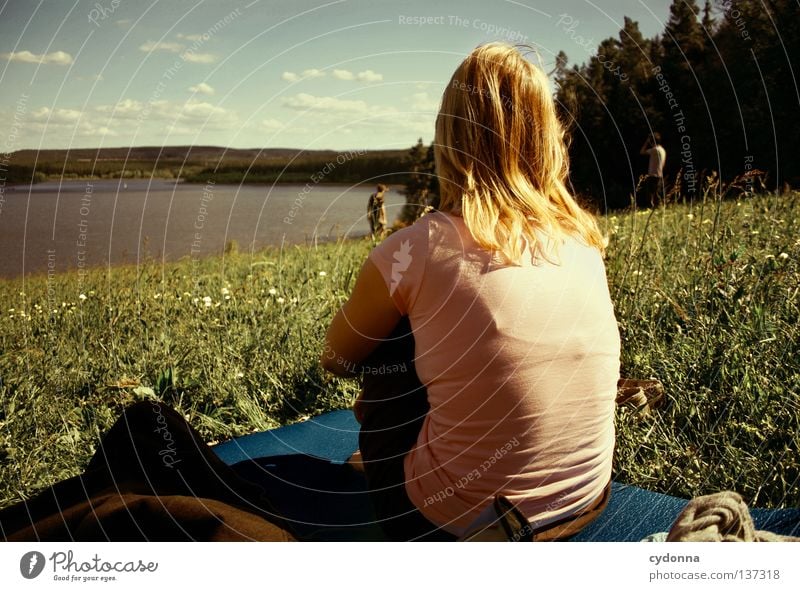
<point>376,213</point>
<point>652,191</point>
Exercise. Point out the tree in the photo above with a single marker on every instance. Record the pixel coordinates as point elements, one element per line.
<point>419,181</point>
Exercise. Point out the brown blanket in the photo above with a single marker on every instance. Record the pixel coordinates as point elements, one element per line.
<point>151,479</point>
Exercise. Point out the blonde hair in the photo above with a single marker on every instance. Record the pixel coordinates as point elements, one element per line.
<point>501,156</point>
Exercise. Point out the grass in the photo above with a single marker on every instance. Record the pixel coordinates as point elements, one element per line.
<point>706,296</point>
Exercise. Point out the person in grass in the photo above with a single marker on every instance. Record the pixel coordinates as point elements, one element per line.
<point>376,212</point>
<point>652,192</point>
<point>515,343</point>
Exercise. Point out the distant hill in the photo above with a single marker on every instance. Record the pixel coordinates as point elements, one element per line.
<point>199,163</point>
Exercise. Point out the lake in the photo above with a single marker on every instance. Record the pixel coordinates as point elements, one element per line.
<point>71,224</point>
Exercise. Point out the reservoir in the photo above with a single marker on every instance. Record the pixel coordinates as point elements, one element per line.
<point>91,223</point>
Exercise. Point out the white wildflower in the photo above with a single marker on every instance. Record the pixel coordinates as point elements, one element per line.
<point>207,301</point>
<point>280,300</point>
<point>81,297</point>
<point>322,273</point>
<point>784,255</point>
<point>272,291</point>
<point>226,291</point>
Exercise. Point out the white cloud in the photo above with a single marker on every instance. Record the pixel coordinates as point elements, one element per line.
<point>202,88</point>
<point>68,121</point>
<point>190,37</point>
<point>310,73</point>
<point>125,109</point>
<point>198,58</point>
<point>60,58</point>
<point>420,101</point>
<point>330,104</point>
<point>369,76</point>
<point>170,46</point>
<point>313,73</point>
<point>365,76</point>
<point>344,75</point>
<point>356,116</point>
<point>272,124</point>
<point>55,116</point>
<point>163,113</point>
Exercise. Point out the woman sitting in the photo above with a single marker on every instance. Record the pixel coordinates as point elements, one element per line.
<point>515,339</point>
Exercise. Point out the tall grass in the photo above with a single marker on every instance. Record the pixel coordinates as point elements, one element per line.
<point>706,297</point>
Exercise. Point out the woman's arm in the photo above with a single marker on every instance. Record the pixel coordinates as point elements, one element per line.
<point>358,328</point>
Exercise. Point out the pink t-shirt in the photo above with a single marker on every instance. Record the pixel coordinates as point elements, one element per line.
<point>521,365</point>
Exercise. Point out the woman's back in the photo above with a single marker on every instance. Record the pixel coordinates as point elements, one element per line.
<point>520,364</point>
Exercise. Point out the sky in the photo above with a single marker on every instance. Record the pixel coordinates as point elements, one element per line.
<point>310,74</point>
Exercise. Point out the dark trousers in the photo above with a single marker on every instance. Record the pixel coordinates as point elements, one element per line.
<point>651,193</point>
<point>394,405</point>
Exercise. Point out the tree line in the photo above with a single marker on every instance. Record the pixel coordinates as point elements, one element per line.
<point>718,86</point>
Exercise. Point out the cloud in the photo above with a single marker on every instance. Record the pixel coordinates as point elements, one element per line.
<point>369,76</point>
<point>55,116</point>
<point>329,104</point>
<point>313,73</point>
<point>170,46</point>
<point>198,58</point>
<point>365,76</point>
<point>125,109</point>
<point>202,88</point>
<point>190,37</point>
<point>197,113</point>
<point>60,58</point>
<point>272,124</point>
<point>344,75</point>
<point>45,119</point>
<point>310,73</point>
<point>420,101</point>
<point>355,115</point>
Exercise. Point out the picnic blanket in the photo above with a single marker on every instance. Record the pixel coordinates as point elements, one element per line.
<point>153,478</point>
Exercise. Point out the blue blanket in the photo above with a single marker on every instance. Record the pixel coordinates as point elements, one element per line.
<point>303,468</point>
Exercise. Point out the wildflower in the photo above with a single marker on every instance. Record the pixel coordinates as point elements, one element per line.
<point>207,301</point>
<point>784,256</point>
<point>239,374</point>
<point>226,291</point>
<point>156,296</point>
<point>11,310</point>
<point>272,291</point>
<point>690,216</point>
<point>280,300</point>
<point>81,297</point>
<point>322,273</point>
<point>195,300</point>
<point>294,300</point>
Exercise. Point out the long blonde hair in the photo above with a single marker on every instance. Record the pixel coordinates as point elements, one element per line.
<point>501,156</point>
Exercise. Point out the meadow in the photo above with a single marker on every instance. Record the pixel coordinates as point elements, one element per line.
<point>707,297</point>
